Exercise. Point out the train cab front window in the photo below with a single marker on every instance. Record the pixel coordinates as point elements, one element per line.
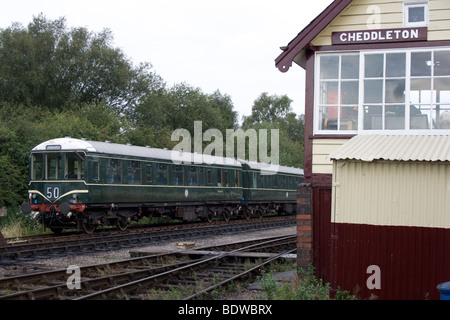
<point>54,166</point>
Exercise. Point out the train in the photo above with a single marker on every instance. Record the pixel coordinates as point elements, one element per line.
<point>82,184</point>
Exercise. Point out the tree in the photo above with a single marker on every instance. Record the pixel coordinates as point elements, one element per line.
<point>275,113</point>
<point>268,108</point>
<point>47,64</point>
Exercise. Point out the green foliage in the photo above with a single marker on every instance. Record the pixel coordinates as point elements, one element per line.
<point>47,64</point>
<point>304,287</point>
<point>58,81</point>
<point>275,112</point>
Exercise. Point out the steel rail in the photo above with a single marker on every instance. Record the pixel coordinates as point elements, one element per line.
<point>127,287</point>
<point>9,254</point>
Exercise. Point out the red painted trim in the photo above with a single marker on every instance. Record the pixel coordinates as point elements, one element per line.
<point>412,260</point>
<point>284,61</point>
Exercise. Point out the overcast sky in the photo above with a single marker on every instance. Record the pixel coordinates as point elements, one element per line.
<point>228,45</point>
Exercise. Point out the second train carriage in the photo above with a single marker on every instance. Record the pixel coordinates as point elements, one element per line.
<point>83,184</point>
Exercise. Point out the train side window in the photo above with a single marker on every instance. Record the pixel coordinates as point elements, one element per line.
<point>236,178</point>
<point>201,176</point>
<point>114,171</point>
<point>219,177</point>
<point>149,175</point>
<point>260,181</point>
<point>226,179</point>
<point>134,172</point>
<point>74,167</point>
<point>282,182</point>
<point>255,180</point>
<point>209,178</point>
<point>178,176</point>
<point>96,170</point>
<point>36,166</point>
<point>193,176</point>
<point>161,174</point>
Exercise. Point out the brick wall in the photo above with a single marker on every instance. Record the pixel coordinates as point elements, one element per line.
<point>304,226</point>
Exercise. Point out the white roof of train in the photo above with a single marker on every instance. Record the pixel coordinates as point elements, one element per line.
<point>72,144</point>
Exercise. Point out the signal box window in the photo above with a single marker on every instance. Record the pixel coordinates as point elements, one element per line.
<point>415,14</point>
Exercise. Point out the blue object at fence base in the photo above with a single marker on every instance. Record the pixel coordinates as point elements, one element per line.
<point>444,288</point>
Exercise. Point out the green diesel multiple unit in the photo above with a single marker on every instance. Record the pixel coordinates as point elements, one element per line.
<point>82,184</point>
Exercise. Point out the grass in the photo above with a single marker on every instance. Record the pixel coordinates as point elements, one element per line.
<point>305,286</point>
<point>16,224</point>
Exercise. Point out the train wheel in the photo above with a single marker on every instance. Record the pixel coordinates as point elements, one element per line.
<point>57,230</point>
<point>247,214</point>
<point>209,217</point>
<point>121,224</point>
<point>226,215</point>
<point>88,228</point>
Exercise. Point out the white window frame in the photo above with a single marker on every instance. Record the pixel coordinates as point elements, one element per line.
<point>416,4</point>
<point>360,130</point>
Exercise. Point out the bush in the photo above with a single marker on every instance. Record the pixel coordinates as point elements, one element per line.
<point>17,224</point>
<point>305,286</point>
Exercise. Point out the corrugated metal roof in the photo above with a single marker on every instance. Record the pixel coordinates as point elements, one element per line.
<point>395,147</point>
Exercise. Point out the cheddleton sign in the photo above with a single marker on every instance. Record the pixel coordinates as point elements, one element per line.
<point>377,36</point>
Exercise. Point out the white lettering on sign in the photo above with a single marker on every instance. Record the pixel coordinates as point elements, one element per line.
<point>391,35</point>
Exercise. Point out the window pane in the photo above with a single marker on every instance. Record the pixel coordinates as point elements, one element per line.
<point>54,167</point>
<point>134,172</point>
<point>395,117</point>
<point>395,64</point>
<point>373,116</point>
<point>149,177</point>
<point>349,92</point>
<point>350,67</point>
<point>74,168</point>
<point>329,67</point>
<point>420,91</point>
<point>329,92</point>
<point>374,67</point>
<point>420,64</point>
<point>96,170</point>
<point>178,176</point>
<point>395,91</point>
<point>328,118</point>
<point>349,118</point>
<point>441,117</point>
<point>417,120</point>
<point>114,171</point>
<point>442,89</point>
<point>416,14</point>
<point>442,63</point>
<point>36,166</point>
<point>373,91</point>
<point>161,174</point>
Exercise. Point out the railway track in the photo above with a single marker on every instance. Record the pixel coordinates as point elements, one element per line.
<point>35,248</point>
<point>190,273</point>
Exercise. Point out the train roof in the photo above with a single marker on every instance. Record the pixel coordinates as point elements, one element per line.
<point>72,144</point>
<point>271,168</point>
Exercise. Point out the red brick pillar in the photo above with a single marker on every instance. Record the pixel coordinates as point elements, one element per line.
<point>304,226</point>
